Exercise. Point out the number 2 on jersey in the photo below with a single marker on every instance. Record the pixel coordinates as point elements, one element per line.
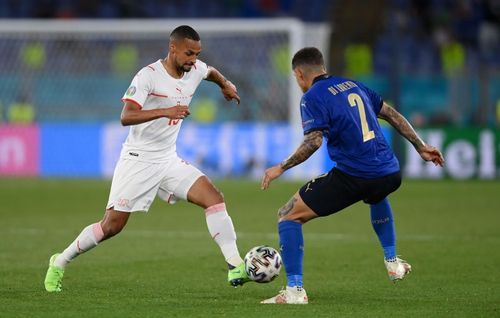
<point>355,100</point>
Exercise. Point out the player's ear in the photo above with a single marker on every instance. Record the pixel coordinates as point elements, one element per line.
<point>172,45</point>
<point>300,73</point>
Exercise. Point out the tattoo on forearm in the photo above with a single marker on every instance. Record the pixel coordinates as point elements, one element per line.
<point>403,127</point>
<point>284,210</point>
<point>310,144</point>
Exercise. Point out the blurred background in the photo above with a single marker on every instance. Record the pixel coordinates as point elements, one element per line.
<point>65,65</point>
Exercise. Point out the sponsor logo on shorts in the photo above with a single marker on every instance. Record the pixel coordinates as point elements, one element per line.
<point>308,187</point>
<point>135,154</point>
<point>123,203</point>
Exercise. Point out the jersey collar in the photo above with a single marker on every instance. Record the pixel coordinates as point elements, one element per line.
<point>320,77</point>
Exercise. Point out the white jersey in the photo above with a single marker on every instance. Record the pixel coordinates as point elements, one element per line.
<point>153,88</point>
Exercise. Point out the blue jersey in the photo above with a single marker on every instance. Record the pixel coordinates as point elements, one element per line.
<point>346,112</point>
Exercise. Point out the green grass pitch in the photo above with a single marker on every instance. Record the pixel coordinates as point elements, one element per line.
<point>164,264</point>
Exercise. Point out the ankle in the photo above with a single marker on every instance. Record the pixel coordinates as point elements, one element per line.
<point>234,261</point>
<point>60,261</point>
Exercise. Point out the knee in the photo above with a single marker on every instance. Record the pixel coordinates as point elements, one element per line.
<point>281,214</point>
<point>204,194</point>
<point>286,211</point>
<point>285,215</point>
<point>299,215</point>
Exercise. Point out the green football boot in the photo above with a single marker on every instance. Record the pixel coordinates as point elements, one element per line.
<point>237,276</point>
<point>53,279</point>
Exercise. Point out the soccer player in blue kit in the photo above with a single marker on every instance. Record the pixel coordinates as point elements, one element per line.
<point>345,113</point>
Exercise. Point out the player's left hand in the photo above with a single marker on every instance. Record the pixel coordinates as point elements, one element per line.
<point>430,153</point>
<point>230,92</point>
<point>271,174</point>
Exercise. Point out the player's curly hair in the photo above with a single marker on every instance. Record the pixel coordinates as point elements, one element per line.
<point>184,32</point>
<point>309,56</point>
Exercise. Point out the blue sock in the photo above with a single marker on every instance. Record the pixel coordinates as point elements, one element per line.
<point>383,224</point>
<point>292,251</point>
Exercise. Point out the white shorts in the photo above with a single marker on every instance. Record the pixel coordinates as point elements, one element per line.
<point>135,183</point>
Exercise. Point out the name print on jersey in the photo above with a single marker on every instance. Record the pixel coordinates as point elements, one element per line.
<point>342,87</point>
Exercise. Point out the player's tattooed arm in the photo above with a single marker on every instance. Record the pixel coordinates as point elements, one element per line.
<point>402,125</point>
<point>228,89</point>
<point>427,152</point>
<point>312,141</point>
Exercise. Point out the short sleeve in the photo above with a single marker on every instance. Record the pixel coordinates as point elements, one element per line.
<point>375,99</point>
<point>202,67</point>
<point>139,89</point>
<point>314,115</point>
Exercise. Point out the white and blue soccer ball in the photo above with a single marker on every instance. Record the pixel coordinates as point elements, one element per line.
<point>263,264</point>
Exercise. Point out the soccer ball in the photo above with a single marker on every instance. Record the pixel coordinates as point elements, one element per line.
<point>262,264</point>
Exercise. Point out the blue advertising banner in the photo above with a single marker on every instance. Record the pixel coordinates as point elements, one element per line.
<point>70,150</point>
<point>229,150</point>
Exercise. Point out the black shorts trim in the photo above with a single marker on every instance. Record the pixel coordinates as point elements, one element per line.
<point>336,190</point>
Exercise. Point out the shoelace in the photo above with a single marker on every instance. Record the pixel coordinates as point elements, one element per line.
<point>282,292</point>
<point>397,259</point>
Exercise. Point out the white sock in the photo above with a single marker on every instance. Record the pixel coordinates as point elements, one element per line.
<point>221,229</point>
<point>86,240</point>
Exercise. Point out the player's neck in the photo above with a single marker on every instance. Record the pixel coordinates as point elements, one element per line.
<point>311,78</point>
<point>171,69</point>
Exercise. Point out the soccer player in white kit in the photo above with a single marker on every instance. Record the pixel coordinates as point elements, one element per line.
<point>155,105</point>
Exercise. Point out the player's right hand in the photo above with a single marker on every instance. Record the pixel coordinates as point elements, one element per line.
<point>177,112</point>
<point>269,175</point>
